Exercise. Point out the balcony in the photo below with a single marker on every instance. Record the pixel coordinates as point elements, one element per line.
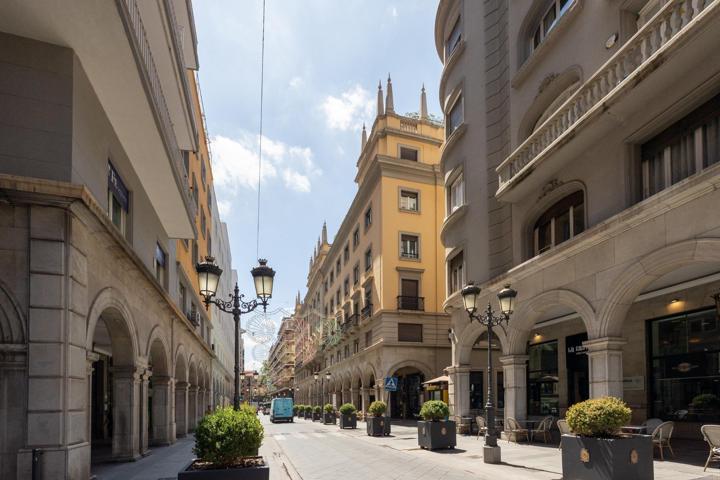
<point>624,94</point>
<point>405,302</point>
<point>366,311</point>
<point>351,323</point>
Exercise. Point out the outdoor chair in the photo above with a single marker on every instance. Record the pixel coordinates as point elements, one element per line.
<point>543,429</point>
<point>482,426</point>
<point>711,434</point>
<point>514,430</point>
<point>564,430</point>
<point>651,424</point>
<point>661,437</point>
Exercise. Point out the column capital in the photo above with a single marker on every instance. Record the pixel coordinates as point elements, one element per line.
<point>458,369</point>
<point>127,371</point>
<point>513,359</point>
<point>604,343</point>
<point>193,388</point>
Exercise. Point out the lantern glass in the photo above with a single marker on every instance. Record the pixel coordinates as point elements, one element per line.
<point>506,296</point>
<point>471,298</point>
<point>316,375</point>
<point>208,276</point>
<point>263,277</point>
<point>327,376</point>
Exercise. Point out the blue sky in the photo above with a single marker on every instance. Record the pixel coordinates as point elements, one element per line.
<point>323,60</point>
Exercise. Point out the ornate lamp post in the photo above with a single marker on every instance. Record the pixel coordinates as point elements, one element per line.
<point>471,297</point>
<point>209,276</point>
<point>316,376</point>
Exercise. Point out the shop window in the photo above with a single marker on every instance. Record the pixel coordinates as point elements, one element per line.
<point>453,39</point>
<point>456,273</point>
<point>685,367</point>
<point>455,117</point>
<point>407,153</point>
<point>410,332</point>
<point>118,200</point>
<point>559,223</point>
<point>542,387</point>
<point>477,392</point>
<point>688,146</point>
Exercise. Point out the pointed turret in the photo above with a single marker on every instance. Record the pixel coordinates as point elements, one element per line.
<point>324,233</point>
<point>389,102</point>
<point>364,137</point>
<point>380,107</point>
<point>297,299</point>
<point>423,104</point>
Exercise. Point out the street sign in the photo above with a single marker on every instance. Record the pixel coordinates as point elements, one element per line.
<point>391,384</point>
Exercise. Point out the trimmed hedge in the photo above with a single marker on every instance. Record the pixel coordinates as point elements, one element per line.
<point>377,408</point>
<point>347,409</point>
<point>434,410</point>
<point>225,435</point>
<point>598,417</point>
<point>328,408</point>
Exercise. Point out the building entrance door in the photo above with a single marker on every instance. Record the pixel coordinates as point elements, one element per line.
<point>405,402</point>
<point>576,362</point>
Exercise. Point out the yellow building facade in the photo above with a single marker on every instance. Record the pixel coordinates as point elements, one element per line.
<point>374,295</point>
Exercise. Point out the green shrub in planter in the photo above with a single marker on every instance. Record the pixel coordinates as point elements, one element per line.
<point>225,435</point>
<point>329,414</point>
<point>347,409</point>
<point>434,410</point>
<point>328,408</point>
<point>296,409</point>
<point>348,417</point>
<point>377,408</point>
<point>598,417</point>
<point>317,409</point>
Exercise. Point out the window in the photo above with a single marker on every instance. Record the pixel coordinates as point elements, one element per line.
<point>477,393</point>
<point>183,297</point>
<point>203,222</point>
<point>456,194</point>
<point>356,274</point>
<point>332,277</point>
<point>453,39</point>
<point>347,351</point>
<point>410,332</point>
<point>160,262</point>
<point>688,146</point>
<point>186,160</point>
<point>685,367</point>
<point>409,246</point>
<point>408,201</point>
<point>407,153</point>
<point>118,200</point>
<point>209,200</point>
<point>325,286</point>
<point>543,397</point>
<point>368,259</point>
<point>368,338</point>
<point>338,267</point>
<point>195,191</point>
<point>409,298</point>
<point>346,253</point>
<point>195,253</point>
<point>356,346</point>
<point>346,286</point>
<point>209,243</point>
<point>454,117</point>
<point>356,238</point>
<point>559,223</point>
<point>203,172</point>
<point>548,21</point>
<point>456,273</point>
<point>368,218</point>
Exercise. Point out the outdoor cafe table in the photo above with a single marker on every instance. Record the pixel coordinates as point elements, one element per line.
<point>634,429</point>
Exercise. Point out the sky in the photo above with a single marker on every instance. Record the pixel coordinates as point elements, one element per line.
<point>323,61</point>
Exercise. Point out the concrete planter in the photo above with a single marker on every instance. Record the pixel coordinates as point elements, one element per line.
<point>307,415</point>
<point>436,435</point>
<point>586,458</point>
<point>316,417</point>
<point>378,426</point>
<point>329,418</point>
<point>348,421</point>
<point>249,473</point>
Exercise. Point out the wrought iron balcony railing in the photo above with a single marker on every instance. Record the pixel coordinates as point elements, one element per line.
<point>405,302</point>
<point>366,311</point>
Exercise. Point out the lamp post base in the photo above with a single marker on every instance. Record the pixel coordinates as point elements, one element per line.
<point>491,454</point>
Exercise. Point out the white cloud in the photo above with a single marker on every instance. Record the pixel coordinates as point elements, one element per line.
<point>296,181</point>
<point>296,82</point>
<point>347,111</point>
<point>224,207</point>
<point>393,11</point>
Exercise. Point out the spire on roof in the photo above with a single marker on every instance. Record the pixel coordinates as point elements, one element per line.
<point>380,106</point>
<point>389,103</point>
<point>364,137</point>
<point>423,104</point>
<point>324,233</point>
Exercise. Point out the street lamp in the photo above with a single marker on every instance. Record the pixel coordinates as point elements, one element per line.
<point>209,276</point>
<point>506,298</point>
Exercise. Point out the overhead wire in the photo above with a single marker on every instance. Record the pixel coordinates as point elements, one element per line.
<point>262,91</point>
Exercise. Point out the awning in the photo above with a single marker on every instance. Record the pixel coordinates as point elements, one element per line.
<point>442,379</point>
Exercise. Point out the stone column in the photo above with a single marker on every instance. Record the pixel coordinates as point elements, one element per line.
<point>181,409</point>
<point>144,410</point>
<point>353,397</point>
<point>364,399</point>
<point>161,408</point>
<point>126,413</point>
<point>192,407</point>
<point>605,366</point>
<point>515,379</point>
<point>459,391</point>
<point>90,358</point>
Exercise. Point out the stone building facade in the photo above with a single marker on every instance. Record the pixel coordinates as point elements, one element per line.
<point>373,303</point>
<point>99,359</point>
<point>591,169</point>
<point>281,359</point>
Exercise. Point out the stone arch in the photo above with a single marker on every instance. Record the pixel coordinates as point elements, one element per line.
<point>640,273</point>
<point>468,337</point>
<point>553,91</point>
<point>369,373</point>
<point>157,335</point>
<point>423,367</point>
<point>160,392</point>
<point>110,300</point>
<point>180,367</point>
<point>12,322</point>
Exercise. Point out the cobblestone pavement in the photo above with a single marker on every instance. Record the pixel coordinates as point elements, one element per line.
<point>306,450</point>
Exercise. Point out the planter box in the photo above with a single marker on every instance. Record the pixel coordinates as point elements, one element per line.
<point>329,418</point>
<point>348,421</point>
<point>435,435</point>
<point>307,415</point>
<point>378,426</point>
<point>586,458</point>
<point>249,473</point>
<point>316,417</point>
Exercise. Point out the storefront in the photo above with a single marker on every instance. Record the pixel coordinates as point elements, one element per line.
<point>436,389</point>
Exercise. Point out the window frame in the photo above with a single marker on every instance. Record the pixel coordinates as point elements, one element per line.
<point>456,28</point>
<point>404,338</point>
<point>540,29</point>
<point>417,246</point>
<point>402,147</point>
<point>368,218</point>
<point>554,211</point>
<point>401,192</point>
<point>458,101</point>
<point>452,274</point>
<point>457,183</point>
<point>368,256</point>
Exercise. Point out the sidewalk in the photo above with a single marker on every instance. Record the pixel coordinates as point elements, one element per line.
<point>162,463</point>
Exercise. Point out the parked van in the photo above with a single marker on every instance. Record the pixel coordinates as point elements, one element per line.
<point>281,410</point>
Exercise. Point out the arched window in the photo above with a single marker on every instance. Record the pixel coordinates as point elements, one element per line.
<point>560,222</point>
<point>547,21</point>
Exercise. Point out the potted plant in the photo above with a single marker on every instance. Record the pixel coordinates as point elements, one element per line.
<point>296,409</point>
<point>226,445</point>
<point>348,417</point>
<point>377,424</point>
<point>316,411</point>
<point>435,430</point>
<point>308,412</point>
<point>598,451</point>
<point>329,414</point>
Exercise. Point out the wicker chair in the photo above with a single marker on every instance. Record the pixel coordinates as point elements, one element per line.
<point>514,430</point>
<point>661,437</point>
<point>711,434</point>
<point>543,429</point>
<point>564,430</point>
<point>482,426</point>
<point>651,424</point>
